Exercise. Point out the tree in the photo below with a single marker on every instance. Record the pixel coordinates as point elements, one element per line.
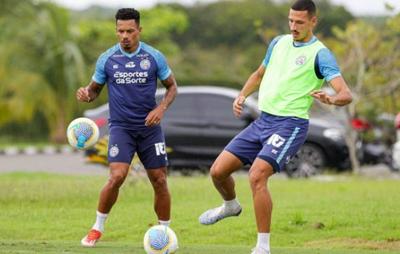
<point>370,63</point>
<point>47,62</point>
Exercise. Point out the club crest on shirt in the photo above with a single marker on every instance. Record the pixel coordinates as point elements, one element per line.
<point>130,65</point>
<point>301,60</point>
<point>114,151</point>
<point>145,64</point>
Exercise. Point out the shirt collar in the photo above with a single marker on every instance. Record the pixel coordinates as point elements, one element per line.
<point>130,54</point>
<point>302,44</point>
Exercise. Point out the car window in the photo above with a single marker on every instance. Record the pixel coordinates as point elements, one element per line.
<point>217,109</point>
<point>184,107</point>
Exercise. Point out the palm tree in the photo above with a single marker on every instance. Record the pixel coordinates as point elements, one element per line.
<point>46,61</point>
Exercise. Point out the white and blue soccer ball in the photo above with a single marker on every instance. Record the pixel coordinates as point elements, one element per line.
<point>160,239</point>
<point>82,133</point>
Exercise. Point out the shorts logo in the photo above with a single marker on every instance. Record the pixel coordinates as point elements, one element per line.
<point>160,148</point>
<point>276,140</point>
<point>145,64</point>
<point>114,151</point>
<point>301,60</point>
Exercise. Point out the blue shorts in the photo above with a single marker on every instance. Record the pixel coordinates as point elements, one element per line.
<point>149,144</point>
<point>274,139</point>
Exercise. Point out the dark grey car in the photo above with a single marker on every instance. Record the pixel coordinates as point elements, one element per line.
<point>200,123</point>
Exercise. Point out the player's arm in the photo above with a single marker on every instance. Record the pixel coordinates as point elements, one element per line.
<point>329,69</point>
<point>342,97</point>
<point>155,116</point>
<point>171,91</point>
<point>89,93</point>
<point>252,84</point>
<point>92,91</point>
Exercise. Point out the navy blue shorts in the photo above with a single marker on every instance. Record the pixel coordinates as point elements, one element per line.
<point>274,139</point>
<point>149,144</point>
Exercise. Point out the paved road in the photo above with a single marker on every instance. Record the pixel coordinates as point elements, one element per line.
<point>74,163</point>
<point>70,163</point>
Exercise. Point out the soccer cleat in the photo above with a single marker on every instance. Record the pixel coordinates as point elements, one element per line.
<point>216,214</point>
<point>91,238</point>
<point>259,251</point>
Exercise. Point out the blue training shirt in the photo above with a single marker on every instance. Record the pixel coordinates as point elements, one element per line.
<point>131,81</point>
<point>325,63</point>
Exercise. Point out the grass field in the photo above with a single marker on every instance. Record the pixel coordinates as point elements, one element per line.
<point>43,213</point>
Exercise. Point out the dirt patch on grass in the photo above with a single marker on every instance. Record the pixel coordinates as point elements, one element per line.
<point>346,243</point>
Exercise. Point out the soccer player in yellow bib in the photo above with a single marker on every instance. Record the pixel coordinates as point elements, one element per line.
<point>289,78</point>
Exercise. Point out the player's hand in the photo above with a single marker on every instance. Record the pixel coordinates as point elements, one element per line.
<point>155,116</point>
<point>322,97</point>
<point>238,105</point>
<point>82,94</point>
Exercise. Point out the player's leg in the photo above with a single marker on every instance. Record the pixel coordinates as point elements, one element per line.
<point>259,174</point>
<point>220,172</point>
<point>152,153</point>
<point>110,191</point>
<point>162,197</point>
<point>241,150</point>
<point>120,154</point>
<point>281,141</point>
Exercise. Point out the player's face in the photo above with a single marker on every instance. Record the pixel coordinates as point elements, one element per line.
<point>128,32</point>
<point>301,25</point>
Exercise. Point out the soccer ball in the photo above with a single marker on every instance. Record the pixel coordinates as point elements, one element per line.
<point>82,133</point>
<point>160,240</point>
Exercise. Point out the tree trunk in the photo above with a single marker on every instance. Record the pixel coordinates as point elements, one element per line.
<point>58,132</point>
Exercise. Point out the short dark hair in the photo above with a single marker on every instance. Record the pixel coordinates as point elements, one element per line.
<point>127,14</point>
<point>305,5</point>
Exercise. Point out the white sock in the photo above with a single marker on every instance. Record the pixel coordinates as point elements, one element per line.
<point>164,222</point>
<point>263,241</point>
<point>100,219</point>
<point>231,204</point>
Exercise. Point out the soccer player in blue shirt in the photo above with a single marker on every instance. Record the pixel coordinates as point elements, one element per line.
<point>131,68</point>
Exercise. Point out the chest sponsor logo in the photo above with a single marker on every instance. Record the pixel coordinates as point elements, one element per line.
<point>130,65</point>
<point>145,64</point>
<point>134,77</point>
<point>276,141</point>
<point>301,60</point>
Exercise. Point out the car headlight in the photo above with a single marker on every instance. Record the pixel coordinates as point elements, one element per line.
<point>333,133</point>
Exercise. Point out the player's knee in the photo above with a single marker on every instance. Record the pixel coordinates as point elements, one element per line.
<point>216,172</point>
<point>160,183</point>
<point>116,180</point>
<point>257,179</point>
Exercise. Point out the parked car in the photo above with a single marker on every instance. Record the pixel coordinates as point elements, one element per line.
<point>200,123</point>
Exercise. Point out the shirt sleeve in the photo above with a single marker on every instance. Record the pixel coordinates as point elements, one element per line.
<point>269,50</point>
<point>99,75</point>
<point>327,65</point>
<point>163,70</point>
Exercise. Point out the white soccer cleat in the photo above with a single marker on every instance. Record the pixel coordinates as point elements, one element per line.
<point>216,214</point>
<point>259,251</point>
<point>91,238</point>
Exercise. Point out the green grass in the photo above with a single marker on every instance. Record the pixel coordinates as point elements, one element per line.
<point>42,213</point>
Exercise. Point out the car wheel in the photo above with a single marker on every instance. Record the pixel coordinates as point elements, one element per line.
<point>309,161</point>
